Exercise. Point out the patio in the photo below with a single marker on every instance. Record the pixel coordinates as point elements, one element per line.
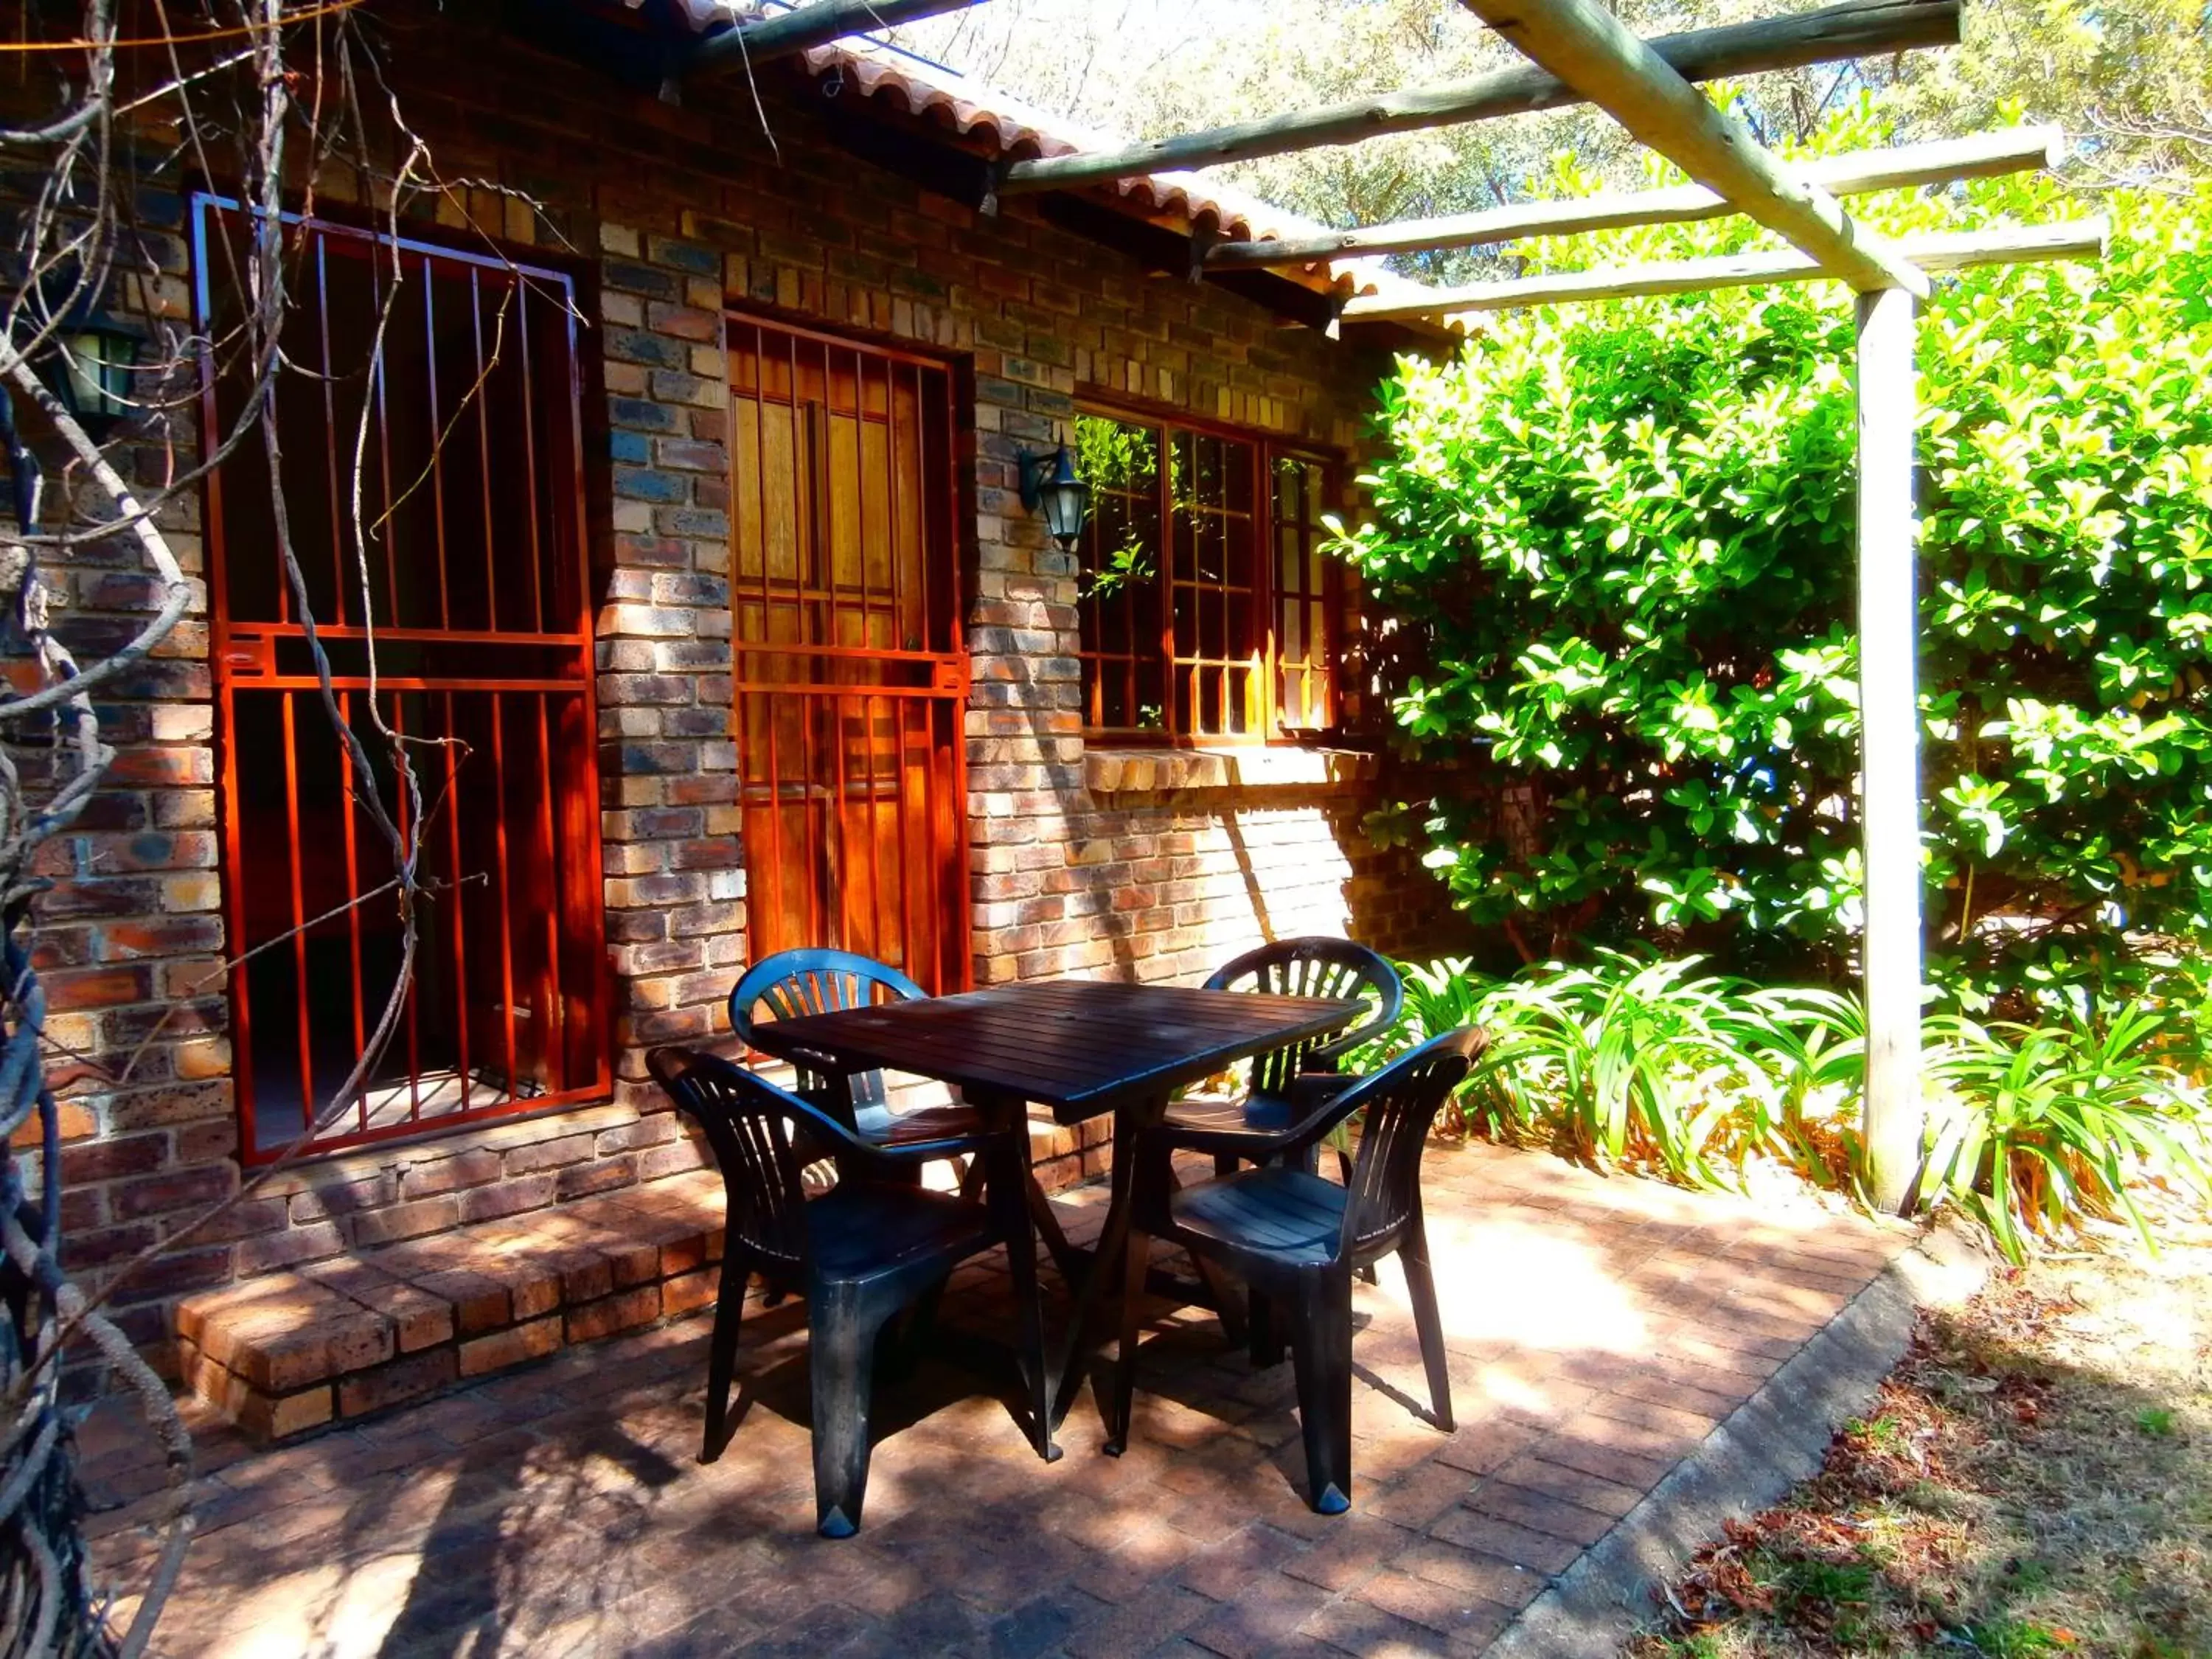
<point>1600,1330</point>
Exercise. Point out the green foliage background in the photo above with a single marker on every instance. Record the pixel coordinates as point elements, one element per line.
<point>1618,542</point>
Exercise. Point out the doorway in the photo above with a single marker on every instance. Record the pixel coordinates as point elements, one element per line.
<point>852,680</point>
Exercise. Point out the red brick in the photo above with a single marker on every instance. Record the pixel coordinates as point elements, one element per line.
<point>472,1168</point>
<point>1540,1513</point>
<point>507,1197</point>
<point>402,1380</point>
<point>1536,1475</point>
<point>272,1418</point>
<point>687,1292</point>
<point>479,1302</point>
<point>622,1311</point>
<point>1418,1497</point>
<point>400,1221</point>
<point>1448,1609</point>
<point>1536,1551</point>
<point>513,1346</point>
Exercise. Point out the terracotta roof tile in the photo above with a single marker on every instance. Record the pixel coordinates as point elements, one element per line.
<point>916,87</point>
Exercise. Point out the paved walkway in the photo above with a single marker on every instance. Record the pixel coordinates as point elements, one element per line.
<point>1599,1329</point>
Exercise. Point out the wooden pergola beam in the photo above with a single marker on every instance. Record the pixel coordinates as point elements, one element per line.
<point>1598,55</point>
<point>1857,29</point>
<point>1948,250</point>
<point>807,26</point>
<point>1943,161</point>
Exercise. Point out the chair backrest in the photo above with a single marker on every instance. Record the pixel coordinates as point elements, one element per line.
<point>749,1122</point>
<point>1333,968</point>
<point>794,983</point>
<point>1401,1102</point>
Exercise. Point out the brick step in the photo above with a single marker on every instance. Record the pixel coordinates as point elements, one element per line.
<point>288,1353</point>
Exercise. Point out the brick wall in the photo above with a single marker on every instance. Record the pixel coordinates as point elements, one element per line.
<point>1083,860</point>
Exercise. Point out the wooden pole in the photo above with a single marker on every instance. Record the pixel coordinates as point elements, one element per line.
<point>1889,746</point>
<point>2076,238</point>
<point>1942,161</point>
<point>1858,29</point>
<point>1597,54</point>
<point>807,26</point>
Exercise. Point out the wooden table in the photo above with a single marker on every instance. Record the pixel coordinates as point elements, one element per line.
<point>1082,1049</point>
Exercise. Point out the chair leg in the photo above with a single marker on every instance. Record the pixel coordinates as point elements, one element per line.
<point>722,1348</point>
<point>1320,1348</point>
<point>1136,1263</point>
<point>1224,1165</point>
<point>1421,1284</point>
<point>1267,1347</point>
<point>1009,1196</point>
<point>840,1347</point>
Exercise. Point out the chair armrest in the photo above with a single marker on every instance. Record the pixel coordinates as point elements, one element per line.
<point>1311,1090</point>
<point>1313,1102</point>
<point>922,1152</point>
<point>673,1068</point>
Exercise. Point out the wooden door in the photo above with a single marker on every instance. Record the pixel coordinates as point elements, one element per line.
<point>851,680</point>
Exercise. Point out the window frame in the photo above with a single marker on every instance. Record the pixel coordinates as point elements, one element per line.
<point>1264,586</point>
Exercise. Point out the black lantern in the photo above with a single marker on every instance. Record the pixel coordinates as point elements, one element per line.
<point>1064,497</point>
<point>93,356</point>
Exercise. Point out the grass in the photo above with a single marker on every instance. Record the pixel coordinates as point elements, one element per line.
<point>2034,1478</point>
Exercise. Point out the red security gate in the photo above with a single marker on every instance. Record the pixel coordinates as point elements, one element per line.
<point>470,530</point>
<point>851,680</point>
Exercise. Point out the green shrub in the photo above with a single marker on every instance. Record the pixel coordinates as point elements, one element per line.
<point>2036,1127</point>
<point>1616,543</point>
<point>1630,1060</point>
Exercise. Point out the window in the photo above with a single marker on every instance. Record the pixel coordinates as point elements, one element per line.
<point>471,528</point>
<point>1206,604</point>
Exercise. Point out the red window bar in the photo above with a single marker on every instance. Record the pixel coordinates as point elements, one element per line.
<point>1237,643</point>
<point>851,679</point>
<point>471,484</point>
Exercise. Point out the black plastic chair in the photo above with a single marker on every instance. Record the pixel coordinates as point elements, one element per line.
<point>860,1252</point>
<point>792,983</point>
<point>1289,1083</point>
<point>1295,1239</point>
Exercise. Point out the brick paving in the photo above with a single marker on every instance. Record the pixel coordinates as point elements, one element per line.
<point>1598,1330</point>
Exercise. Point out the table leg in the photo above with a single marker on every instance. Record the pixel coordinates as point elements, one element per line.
<point>1106,1256</point>
<point>1066,1256</point>
<point>1007,1112</point>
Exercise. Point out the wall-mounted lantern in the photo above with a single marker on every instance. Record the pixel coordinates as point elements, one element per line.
<point>92,360</point>
<point>1064,498</point>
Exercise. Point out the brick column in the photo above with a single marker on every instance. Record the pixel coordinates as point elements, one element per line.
<point>675,868</point>
<point>1025,712</point>
<point>131,938</point>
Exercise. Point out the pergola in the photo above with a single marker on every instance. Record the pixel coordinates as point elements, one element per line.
<point>1579,52</point>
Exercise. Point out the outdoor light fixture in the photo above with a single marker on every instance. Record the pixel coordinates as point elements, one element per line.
<point>1065,497</point>
<point>94,357</point>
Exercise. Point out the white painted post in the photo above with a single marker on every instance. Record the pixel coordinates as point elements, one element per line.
<point>1889,744</point>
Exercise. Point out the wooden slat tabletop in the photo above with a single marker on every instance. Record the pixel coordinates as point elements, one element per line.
<point>1080,1047</point>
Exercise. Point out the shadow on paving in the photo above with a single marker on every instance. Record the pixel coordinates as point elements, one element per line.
<point>1597,1331</point>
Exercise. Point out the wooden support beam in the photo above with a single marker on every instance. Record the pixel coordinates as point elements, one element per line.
<point>2079,238</point>
<point>1889,747</point>
<point>1857,29</point>
<point>784,33</point>
<point>1943,161</point>
<point>1596,53</point>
